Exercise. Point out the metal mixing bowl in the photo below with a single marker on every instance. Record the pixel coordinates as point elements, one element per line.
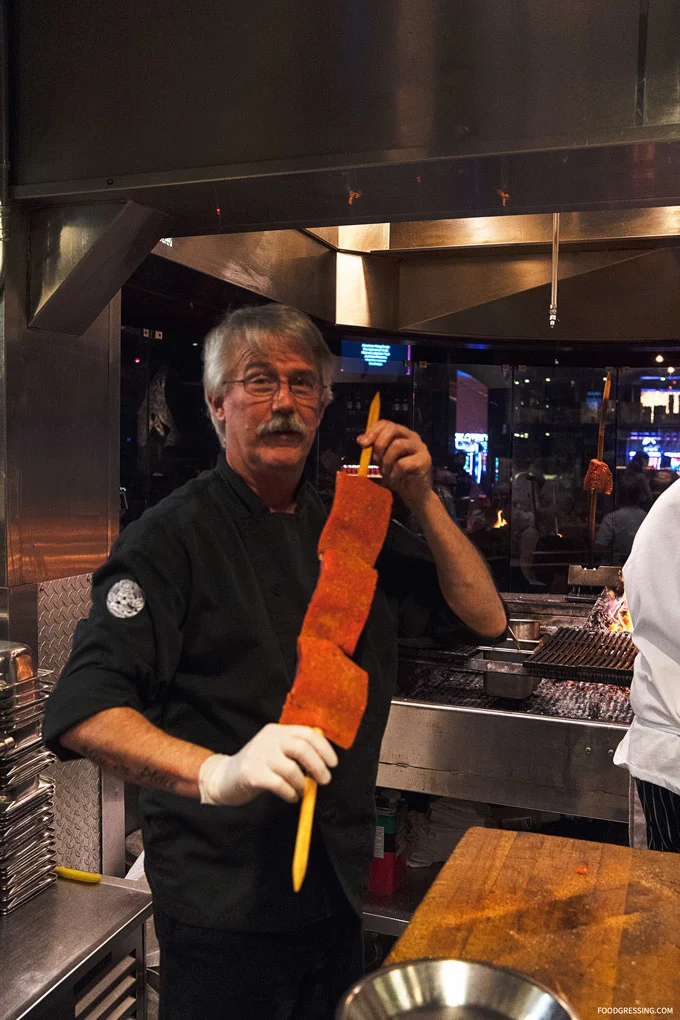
<point>450,990</point>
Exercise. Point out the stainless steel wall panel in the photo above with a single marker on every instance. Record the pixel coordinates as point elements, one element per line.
<point>434,286</point>
<point>186,87</point>
<point>59,448</point>
<point>602,226</point>
<point>662,64</point>
<point>284,265</point>
<point>516,759</point>
<point>637,297</point>
<point>80,257</point>
<point>367,291</point>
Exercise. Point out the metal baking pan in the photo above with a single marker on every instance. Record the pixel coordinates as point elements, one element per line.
<point>12,902</point>
<point>505,679</point>
<point>20,693</point>
<point>19,806</point>
<point>26,827</point>
<point>40,835</point>
<point>24,864</point>
<point>16,793</point>
<point>10,743</point>
<point>11,767</point>
<point>509,685</point>
<point>26,882</point>
<point>16,663</point>
<point>24,745</point>
<point>451,990</point>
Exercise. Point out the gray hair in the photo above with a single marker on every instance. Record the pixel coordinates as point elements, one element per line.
<point>256,328</point>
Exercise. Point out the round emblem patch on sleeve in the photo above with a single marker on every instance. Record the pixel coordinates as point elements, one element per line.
<point>125,599</point>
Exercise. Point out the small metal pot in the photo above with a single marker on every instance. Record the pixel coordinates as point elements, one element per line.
<point>525,629</point>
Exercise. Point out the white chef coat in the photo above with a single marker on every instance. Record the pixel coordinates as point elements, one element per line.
<point>651,747</point>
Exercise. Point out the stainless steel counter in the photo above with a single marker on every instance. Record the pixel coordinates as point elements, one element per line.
<point>55,951</point>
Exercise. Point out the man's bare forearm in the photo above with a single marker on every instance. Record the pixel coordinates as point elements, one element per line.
<point>464,577</point>
<point>123,742</point>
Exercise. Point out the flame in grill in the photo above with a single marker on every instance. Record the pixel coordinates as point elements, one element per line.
<point>621,621</point>
<point>500,520</point>
<point>620,617</point>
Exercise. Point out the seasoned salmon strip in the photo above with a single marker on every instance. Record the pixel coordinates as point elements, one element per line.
<point>341,601</point>
<point>359,518</point>
<point>329,692</point>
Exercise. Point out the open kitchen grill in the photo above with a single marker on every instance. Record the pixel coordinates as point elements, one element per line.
<point>596,656</point>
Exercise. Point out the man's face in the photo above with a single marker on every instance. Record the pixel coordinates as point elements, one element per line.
<point>270,434</point>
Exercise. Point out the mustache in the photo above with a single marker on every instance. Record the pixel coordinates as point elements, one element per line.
<point>280,422</point>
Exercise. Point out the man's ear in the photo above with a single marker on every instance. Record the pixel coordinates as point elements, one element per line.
<point>217,406</point>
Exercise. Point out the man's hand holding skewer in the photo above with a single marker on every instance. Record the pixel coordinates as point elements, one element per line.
<point>404,460</point>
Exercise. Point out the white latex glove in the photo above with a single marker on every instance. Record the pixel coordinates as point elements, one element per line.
<point>277,759</point>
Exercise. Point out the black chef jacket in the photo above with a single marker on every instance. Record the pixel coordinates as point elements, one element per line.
<point>207,652</point>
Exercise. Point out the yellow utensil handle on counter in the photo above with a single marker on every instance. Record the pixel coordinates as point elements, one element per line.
<point>367,452</point>
<point>74,875</point>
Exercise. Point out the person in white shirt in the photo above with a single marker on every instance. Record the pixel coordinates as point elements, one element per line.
<point>650,749</point>
<point>618,529</point>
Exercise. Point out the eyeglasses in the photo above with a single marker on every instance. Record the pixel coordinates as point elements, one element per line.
<point>304,387</point>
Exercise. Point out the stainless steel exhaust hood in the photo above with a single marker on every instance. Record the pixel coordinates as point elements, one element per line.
<point>258,116</point>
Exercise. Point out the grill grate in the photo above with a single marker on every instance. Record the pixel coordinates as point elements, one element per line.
<point>574,654</point>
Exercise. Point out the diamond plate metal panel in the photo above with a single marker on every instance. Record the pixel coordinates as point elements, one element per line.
<point>61,604</point>
<point>77,800</point>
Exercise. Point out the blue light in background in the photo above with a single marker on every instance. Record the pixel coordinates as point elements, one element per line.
<point>375,354</point>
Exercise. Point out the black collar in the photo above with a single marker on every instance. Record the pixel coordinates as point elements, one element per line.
<point>247,497</point>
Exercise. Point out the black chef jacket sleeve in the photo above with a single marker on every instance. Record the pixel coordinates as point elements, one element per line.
<point>407,568</point>
<point>127,650</point>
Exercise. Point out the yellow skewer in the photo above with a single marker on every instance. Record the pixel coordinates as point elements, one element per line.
<point>367,452</point>
<point>304,832</point>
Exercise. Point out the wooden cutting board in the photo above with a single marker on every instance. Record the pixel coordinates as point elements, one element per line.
<point>597,923</point>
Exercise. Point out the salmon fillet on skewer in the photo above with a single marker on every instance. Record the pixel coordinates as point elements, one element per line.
<point>330,691</point>
<point>598,478</point>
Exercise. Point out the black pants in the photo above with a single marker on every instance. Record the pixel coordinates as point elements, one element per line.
<point>224,975</point>
<point>662,815</point>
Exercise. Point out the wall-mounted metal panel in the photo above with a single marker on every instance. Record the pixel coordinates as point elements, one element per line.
<point>435,286</point>
<point>175,87</point>
<point>284,265</point>
<point>61,443</point>
<point>367,291</point>
<point>662,63</point>
<point>484,232</point>
<point>80,257</point>
<point>637,298</point>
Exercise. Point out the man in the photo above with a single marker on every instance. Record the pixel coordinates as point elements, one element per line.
<point>178,677</point>
<point>651,747</point>
<point>614,539</point>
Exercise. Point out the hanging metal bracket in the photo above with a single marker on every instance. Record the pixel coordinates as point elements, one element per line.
<point>552,317</point>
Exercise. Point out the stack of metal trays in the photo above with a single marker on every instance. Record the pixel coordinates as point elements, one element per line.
<point>27,846</point>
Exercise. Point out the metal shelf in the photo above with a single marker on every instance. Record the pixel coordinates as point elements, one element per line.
<point>390,913</point>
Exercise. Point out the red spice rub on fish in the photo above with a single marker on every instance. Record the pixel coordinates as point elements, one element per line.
<point>359,518</point>
<point>341,601</point>
<point>598,478</point>
<point>330,691</point>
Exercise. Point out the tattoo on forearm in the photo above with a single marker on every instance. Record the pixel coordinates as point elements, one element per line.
<point>144,775</point>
